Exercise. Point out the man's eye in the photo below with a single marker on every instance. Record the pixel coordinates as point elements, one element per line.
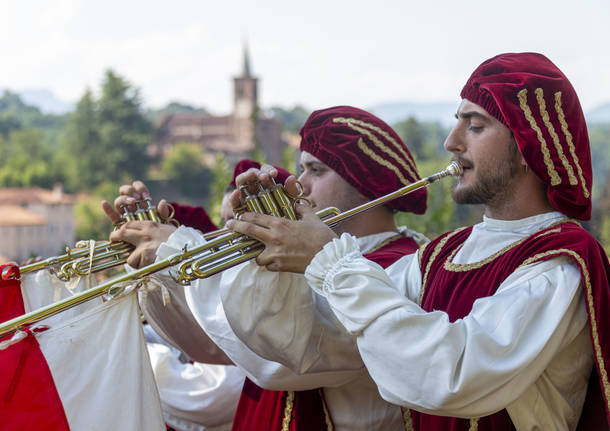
<point>475,129</point>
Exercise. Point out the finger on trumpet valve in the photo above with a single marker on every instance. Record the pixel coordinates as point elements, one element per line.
<point>127,215</point>
<point>151,211</point>
<point>283,201</point>
<point>252,202</point>
<point>140,212</point>
<point>269,204</point>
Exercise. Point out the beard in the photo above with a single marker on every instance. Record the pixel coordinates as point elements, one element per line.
<point>491,183</point>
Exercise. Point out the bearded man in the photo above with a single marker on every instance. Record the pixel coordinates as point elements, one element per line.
<point>496,326</point>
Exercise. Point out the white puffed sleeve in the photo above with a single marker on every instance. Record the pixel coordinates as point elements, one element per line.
<point>171,317</point>
<point>468,368</point>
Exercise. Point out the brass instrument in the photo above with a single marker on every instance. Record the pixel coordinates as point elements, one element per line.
<point>224,251</point>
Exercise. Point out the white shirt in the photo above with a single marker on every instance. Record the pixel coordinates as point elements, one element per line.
<point>351,396</point>
<point>526,348</point>
<point>194,396</point>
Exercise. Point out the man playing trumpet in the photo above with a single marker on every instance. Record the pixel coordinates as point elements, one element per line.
<point>492,327</point>
<point>343,150</point>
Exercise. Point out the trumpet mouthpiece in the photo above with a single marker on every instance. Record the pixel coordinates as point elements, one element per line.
<point>455,169</point>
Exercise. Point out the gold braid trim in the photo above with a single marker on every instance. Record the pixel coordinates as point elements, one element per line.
<point>463,267</point>
<point>474,424</point>
<point>366,150</point>
<point>329,423</point>
<point>547,122</point>
<point>522,95</point>
<point>569,140</point>
<point>589,295</point>
<point>383,148</point>
<point>383,133</point>
<point>406,418</point>
<point>288,411</point>
<point>433,256</point>
<point>420,254</point>
<point>385,242</point>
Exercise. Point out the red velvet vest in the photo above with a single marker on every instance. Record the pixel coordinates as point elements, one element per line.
<point>266,410</point>
<point>454,288</point>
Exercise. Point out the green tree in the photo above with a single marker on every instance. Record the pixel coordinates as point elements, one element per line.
<point>292,119</point>
<point>184,165</point>
<point>440,215</point>
<point>26,160</point>
<point>289,160</point>
<point>109,135</point>
<point>221,177</point>
<point>8,123</point>
<point>82,137</point>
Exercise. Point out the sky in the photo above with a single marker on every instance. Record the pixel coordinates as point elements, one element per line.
<point>314,53</point>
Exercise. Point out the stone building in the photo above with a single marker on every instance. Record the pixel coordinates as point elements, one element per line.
<point>35,222</point>
<point>236,134</point>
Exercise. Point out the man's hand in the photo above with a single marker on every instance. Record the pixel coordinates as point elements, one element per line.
<point>128,195</point>
<point>146,236</point>
<point>289,245</point>
<point>252,177</point>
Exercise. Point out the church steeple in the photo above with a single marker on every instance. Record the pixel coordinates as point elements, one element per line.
<point>246,71</point>
<point>245,89</point>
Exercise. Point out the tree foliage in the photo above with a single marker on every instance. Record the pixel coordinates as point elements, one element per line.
<point>184,165</point>
<point>110,135</point>
<point>292,119</point>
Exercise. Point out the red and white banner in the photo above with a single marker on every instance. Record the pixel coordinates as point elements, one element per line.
<point>84,369</point>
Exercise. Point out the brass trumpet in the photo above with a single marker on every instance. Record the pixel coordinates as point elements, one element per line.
<point>225,251</point>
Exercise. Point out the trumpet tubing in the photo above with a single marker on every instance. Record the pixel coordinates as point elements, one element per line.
<point>222,252</point>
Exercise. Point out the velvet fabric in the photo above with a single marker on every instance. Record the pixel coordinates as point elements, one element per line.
<point>245,164</point>
<point>28,396</point>
<point>455,293</point>
<point>263,409</point>
<point>534,99</point>
<point>365,152</point>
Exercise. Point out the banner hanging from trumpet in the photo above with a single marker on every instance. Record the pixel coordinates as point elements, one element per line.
<point>86,368</point>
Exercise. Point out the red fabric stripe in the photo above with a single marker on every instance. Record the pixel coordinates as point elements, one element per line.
<point>28,397</point>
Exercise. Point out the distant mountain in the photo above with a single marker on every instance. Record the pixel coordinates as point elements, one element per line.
<point>393,112</point>
<point>444,112</point>
<point>601,114</point>
<point>44,100</point>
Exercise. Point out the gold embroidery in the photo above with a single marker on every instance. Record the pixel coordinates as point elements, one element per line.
<point>420,254</point>
<point>406,418</point>
<point>522,95</point>
<point>385,242</point>
<point>288,410</point>
<point>463,267</point>
<point>329,423</point>
<point>383,133</point>
<point>474,424</point>
<point>569,140</point>
<point>547,122</point>
<point>366,150</point>
<point>383,148</point>
<point>589,295</point>
<point>433,256</point>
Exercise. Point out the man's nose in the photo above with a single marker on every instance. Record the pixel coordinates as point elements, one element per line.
<point>305,184</point>
<point>454,142</point>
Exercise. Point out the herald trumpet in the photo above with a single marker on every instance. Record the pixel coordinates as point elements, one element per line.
<point>223,252</point>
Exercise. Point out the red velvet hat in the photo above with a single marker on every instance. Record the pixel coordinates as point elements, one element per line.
<point>245,164</point>
<point>535,100</point>
<point>365,152</point>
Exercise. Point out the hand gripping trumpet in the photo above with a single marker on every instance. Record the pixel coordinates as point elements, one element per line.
<point>82,260</point>
<point>226,250</point>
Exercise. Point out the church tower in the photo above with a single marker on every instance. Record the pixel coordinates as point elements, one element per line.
<point>245,89</point>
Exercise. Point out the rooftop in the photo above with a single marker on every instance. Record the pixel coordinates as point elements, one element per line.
<point>14,215</point>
